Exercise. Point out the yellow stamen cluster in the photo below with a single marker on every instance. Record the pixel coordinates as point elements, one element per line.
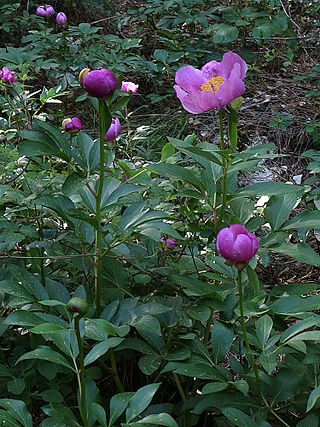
<point>212,84</point>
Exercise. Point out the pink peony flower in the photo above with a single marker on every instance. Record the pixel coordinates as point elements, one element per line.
<point>237,244</point>
<point>6,76</point>
<point>129,87</point>
<point>72,125</point>
<point>114,130</point>
<point>98,83</point>
<point>212,87</point>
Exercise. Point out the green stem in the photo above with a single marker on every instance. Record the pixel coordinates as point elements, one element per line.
<point>179,387</point>
<point>207,330</point>
<point>81,371</point>
<point>245,335</point>
<point>233,129</point>
<point>128,132</point>
<point>225,166</point>
<point>222,145</point>
<point>114,371</point>
<point>98,240</point>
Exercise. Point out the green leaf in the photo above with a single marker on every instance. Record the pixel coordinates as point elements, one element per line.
<point>23,318</point>
<point>167,151</point>
<point>16,386</point>
<point>279,208</point>
<point>221,340</point>
<point>46,353</point>
<point>118,405</point>
<point>307,219</point>
<point>149,363</point>
<point>214,387</point>
<point>199,312</point>
<point>312,399</point>
<point>176,171</point>
<point>99,413</point>
<point>301,252</point>
<point>299,327</point>
<point>263,330</point>
<point>18,409</point>
<point>140,401</point>
<point>161,419</point>
<point>238,418</point>
<point>47,328</point>
<point>295,304</point>
<point>100,349</point>
<point>28,281</point>
<point>225,34</point>
<point>312,420</point>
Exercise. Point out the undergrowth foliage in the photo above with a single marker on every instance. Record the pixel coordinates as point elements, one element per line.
<point>133,278</point>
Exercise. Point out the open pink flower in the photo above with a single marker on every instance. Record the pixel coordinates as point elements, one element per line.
<point>6,76</point>
<point>212,87</point>
<point>129,87</point>
<point>237,244</point>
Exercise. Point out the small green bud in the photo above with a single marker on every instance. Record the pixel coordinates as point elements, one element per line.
<point>78,305</point>
<point>236,103</point>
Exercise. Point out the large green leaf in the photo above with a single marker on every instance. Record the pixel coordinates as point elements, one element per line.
<point>307,219</point>
<point>295,304</point>
<point>221,340</point>
<point>176,171</point>
<point>270,189</point>
<point>279,208</point>
<point>47,354</point>
<point>159,420</point>
<point>263,329</point>
<point>118,405</point>
<point>18,410</point>
<point>100,349</point>
<point>238,418</point>
<point>301,252</point>
<point>140,401</point>
<point>225,34</point>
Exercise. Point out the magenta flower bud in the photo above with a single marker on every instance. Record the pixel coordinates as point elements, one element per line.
<point>169,243</point>
<point>237,244</point>
<point>61,19</point>
<point>6,76</point>
<point>129,87</point>
<point>99,83</point>
<point>3,138</point>
<point>72,125</point>
<point>45,11</point>
<point>114,130</point>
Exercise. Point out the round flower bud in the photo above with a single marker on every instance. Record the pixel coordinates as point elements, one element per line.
<point>61,19</point>
<point>45,11</point>
<point>237,245</point>
<point>114,130</point>
<point>129,87</point>
<point>78,305</point>
<point>72,125</point>
<point>99,83</point>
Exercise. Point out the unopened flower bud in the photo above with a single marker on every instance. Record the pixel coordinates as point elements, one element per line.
<point>129,87</point>
<point>61,19</point>
<point>114,130</point>
<point>237,245</point>
<point>98,83</point>
<point>78,305</point>
<point>72,125</point>
<point>3,138</point>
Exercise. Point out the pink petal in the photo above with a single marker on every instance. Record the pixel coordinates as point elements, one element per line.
<point>189,78</point>
<point>211,69</point>
<point>230,89</point>
<point>242,248</point>
<point>225,242</point>
<point>228,62</point>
